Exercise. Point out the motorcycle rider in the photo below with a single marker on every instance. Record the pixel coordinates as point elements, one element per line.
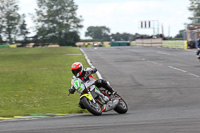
<point>85,75</point>
<point>198,48</point>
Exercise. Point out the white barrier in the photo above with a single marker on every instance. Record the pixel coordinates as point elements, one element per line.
<point>160,43</point>
<point>149,42</point>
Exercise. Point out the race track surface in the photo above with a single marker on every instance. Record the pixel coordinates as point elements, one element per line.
<point>161,87</point>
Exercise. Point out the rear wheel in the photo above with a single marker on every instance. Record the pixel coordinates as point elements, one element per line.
<point>92,107</point>
<point>122,107</point>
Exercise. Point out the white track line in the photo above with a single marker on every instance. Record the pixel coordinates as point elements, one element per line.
<point>155,63</point>
<point>163,53</point>
<point>89,62</point>
<point>194,75</point>
<point>177,69</point>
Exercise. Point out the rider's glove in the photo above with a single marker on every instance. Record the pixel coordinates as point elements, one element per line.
<point>94,70</point>
<point>88,73</point>
<point>71,90</point>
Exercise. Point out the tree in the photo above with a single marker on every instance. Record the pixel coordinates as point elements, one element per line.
<point>57,20</point>
<point>1,40</point>
<point>23,31</point>
<point>122,37</point>
<point>180,35</point>
<point>98,33</point>
<point>194,8</point>
<point>9,20</point>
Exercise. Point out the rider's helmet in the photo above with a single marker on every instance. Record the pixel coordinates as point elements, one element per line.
<point>77,68</point>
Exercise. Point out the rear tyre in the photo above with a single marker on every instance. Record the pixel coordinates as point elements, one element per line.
<point>122,107</point>
<point>92,107</point>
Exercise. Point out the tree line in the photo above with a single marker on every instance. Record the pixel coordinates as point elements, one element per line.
<point>57,22</point>
<point>194,8</point>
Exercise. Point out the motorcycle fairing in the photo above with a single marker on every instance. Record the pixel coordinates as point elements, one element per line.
<point>78,85</point>
<point>88,96</point>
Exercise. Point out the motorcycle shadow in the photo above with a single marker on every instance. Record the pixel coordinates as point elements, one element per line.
<point>110,113</point>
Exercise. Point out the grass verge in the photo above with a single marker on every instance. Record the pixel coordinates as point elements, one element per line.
<point>36,81</point>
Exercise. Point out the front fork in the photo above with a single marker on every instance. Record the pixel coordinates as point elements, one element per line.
<point>88,96</point>
<point>92,97</point>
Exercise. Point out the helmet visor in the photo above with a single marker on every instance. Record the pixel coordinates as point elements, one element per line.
<point>76,71</point>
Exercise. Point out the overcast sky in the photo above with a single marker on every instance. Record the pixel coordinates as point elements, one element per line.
<point>125,15</point>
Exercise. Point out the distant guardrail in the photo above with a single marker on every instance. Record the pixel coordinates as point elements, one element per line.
<point>141,42</point>
<point>149,42</point>
<point>119,43</point>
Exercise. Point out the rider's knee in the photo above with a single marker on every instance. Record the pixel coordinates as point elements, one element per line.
<point>101,82</point>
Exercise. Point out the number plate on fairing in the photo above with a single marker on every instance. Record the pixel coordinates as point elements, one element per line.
<point>78,85</point>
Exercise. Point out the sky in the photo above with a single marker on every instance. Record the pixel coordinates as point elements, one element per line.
<point>124,16</point>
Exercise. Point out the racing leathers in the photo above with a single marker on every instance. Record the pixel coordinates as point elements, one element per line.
<point>198,48</point>
<point>87,75</point>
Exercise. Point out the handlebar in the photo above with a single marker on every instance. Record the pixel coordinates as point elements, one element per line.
<point>68,93</point>
<point>87,75</point>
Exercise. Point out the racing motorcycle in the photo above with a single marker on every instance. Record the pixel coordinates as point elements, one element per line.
<point>198,58</point>
<point>198,54</point>
<point>92,98</point>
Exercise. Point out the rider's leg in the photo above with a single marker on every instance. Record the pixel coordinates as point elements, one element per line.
<point>104,84</point>
<point>198,52</point>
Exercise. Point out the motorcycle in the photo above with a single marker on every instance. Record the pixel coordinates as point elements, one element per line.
<point>198,54</point>
<point>198,57</point>
<point>92,98</point>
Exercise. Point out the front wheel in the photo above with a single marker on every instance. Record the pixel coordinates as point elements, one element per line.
<point>92,107</point>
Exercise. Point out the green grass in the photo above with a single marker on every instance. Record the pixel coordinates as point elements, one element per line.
<point>36,81</point>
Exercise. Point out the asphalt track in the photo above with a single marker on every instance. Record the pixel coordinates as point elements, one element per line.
<point>161,87</point>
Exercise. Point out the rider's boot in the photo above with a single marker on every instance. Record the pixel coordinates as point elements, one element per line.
<point>198,57</point>
<point>105,84</point>
<point>110,105</point>
<point>109,88</point>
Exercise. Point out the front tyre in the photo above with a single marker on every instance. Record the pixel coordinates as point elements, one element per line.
<point>92,107</point>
